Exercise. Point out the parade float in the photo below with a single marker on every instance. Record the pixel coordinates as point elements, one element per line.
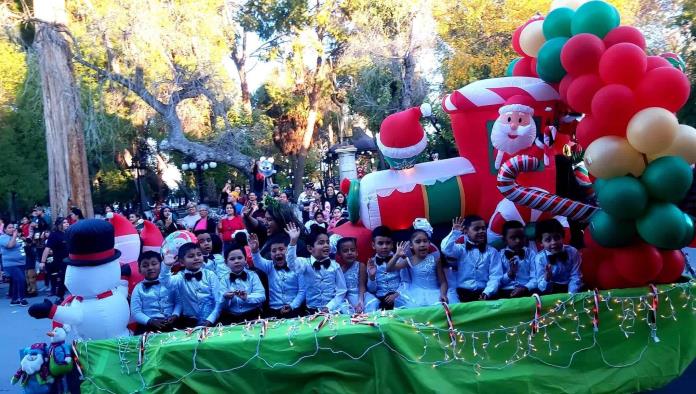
<point>631,331</point>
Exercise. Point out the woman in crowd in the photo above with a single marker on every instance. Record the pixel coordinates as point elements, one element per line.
<point>57,248</point>
<point>229,224</point>
<point>205,223</point>
<point>167,224</point>
<point>272,226</point>
<point>341,201</point>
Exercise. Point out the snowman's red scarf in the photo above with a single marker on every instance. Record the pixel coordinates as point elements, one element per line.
<point>69,299</point>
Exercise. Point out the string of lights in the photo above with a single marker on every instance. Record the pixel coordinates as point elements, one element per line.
<point>543,338</point>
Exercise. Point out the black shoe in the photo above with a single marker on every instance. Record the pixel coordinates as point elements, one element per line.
<point>23,303</point>
<point>14,303</point>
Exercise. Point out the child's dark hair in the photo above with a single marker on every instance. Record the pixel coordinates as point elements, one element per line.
<point>240,238</point>
<point>314,232</point>
<point>381,231</point>
<point>217,243</point>
<point>279,239</point>
<point>549,226</point>
<point>149,254</point>
<point>236,246</point>
<point>317,213</point>
<point>510,225</point>
<point>345,240</point>
<point>183,249</point>
<point>199,232</point>
<point>416,232</point>
<point>469,219</point>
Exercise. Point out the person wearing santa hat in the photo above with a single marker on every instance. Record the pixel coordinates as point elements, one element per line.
<point>401,137</point>
<point>515,132</point>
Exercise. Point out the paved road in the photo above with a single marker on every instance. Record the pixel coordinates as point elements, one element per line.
<point>18,329</point>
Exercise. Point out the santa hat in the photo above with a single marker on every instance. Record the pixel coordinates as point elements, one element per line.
<point>126,238</point>
<point>518,103</point>
<point>151,236</point>
<point>401,137</point>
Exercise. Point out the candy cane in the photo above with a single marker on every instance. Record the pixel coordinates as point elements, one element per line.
<point>595,310</point>
<point>77,360</point>
<point>450,324</point>
<point>537,313</point>
<point>536,199</point>
<point>652,316</point>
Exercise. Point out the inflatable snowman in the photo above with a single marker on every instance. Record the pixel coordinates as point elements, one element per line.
<point>98,307</point>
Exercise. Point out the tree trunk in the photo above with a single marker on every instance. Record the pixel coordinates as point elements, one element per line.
<point>67,159</point>
<point>304,150</point>
<point>244,87</point>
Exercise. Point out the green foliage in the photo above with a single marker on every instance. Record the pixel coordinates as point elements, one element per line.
<point>376,94</point>
<point>687,21</point>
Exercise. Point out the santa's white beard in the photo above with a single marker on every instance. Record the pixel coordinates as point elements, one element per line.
<point>500,137</point>
<point>31,364</point>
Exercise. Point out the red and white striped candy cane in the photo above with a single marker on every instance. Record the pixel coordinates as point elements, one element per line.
<point>536,199</point>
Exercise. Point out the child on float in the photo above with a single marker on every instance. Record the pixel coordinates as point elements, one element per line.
<point>326,286</point>
<point>358,300</point>
<point>428,285</point>
<point>478,265</point>
<point>241,292</point>
<point>197,288</point>
<point>558,265</point>
<point>286,288</point>
<point>154,307</point>
<point>517,262</point>
<point>385,285</point>
<point>211,261</point>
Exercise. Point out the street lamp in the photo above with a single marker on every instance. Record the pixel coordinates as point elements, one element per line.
<point>197,168</point>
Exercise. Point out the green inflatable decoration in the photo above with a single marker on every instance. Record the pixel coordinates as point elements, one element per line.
<point>354,201</point>
<point>663,225</point>
<point>610,231</point>
<point>595,17</point>
<point>668,179</point>
<point>511,66</point>
<point>549,65</point>
<point>557,23</point>
<point>623,197</point>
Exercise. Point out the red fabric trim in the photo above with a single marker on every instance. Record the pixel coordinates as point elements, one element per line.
<point>52,313</point>
<point>93,256</point>
<point>105,294</point>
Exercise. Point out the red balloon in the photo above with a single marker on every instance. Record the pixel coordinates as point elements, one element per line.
<point>613,106</point>
<point>638,264</point>
<point>581,54</point>
<point>563,87</point>
<point>533,68</point>
<point>608,278</point>
<point>523,67</point>
<point>516,41</point>
<point>623,63</point>
<point>590,266</point>
<point>625,34</point>
<point>665,87</point>
<point>657,61</point>
<point>587,131</point>
<point>673,262</point>
<point>345,186</point>
<point>582,90</point>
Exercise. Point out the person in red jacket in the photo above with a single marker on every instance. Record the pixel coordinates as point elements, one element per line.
<point>228,225</point>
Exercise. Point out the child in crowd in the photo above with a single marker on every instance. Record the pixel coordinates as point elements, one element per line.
<point>211,261</point>
<point>326,286</point>
<point>319,220</point>
<point>428,285</point>
<point>478,265</point>
<point>358,300</point>
<point>241,292</point>
<point>385,285</point>
<point>517,263</point>
<point>197,289</point>
<point>154,307</point>
<point>286,287</point>
<point>558,265</point>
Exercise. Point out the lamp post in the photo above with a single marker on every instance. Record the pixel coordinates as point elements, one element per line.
<point>346,157</point>
<point>138,165</point>
<point>198,168</point>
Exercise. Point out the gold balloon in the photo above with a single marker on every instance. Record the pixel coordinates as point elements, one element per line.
<point>652,130</point>
<point>532,38</point>
<point>613,156</point>
<point>684,145</point>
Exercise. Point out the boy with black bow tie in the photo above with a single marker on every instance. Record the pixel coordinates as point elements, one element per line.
<point>323,277</point>
<point>241,292</point>
<point>478,264</point>
<point>197,289</point>
<point>517,263</point>
<point>154,307</point>
<point>558,266</point>
<point>384,284</point>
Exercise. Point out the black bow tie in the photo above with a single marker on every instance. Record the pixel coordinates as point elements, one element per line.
<point>509,254</point>
<point>148,284</point>
<point>382,260</point>
<point>242,275</point>
<point>326,263</point>
<point>190,275</point>
<point>471,246</point>
<point>558,257</point>
<point>284,267</point>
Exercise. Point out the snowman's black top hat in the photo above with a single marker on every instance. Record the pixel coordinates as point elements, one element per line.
<point>91,243</point>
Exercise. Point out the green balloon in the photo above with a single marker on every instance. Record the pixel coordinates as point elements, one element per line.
<point>610,231</point>
<point>549,65</point>
<point>557,23</point>
<point>663,225</point>
<point>689,231</point>
<point>511,66</point>
<point>623,197</point>
<point>595,17</point>
<point>598,185</point>
<point>668,178</point>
